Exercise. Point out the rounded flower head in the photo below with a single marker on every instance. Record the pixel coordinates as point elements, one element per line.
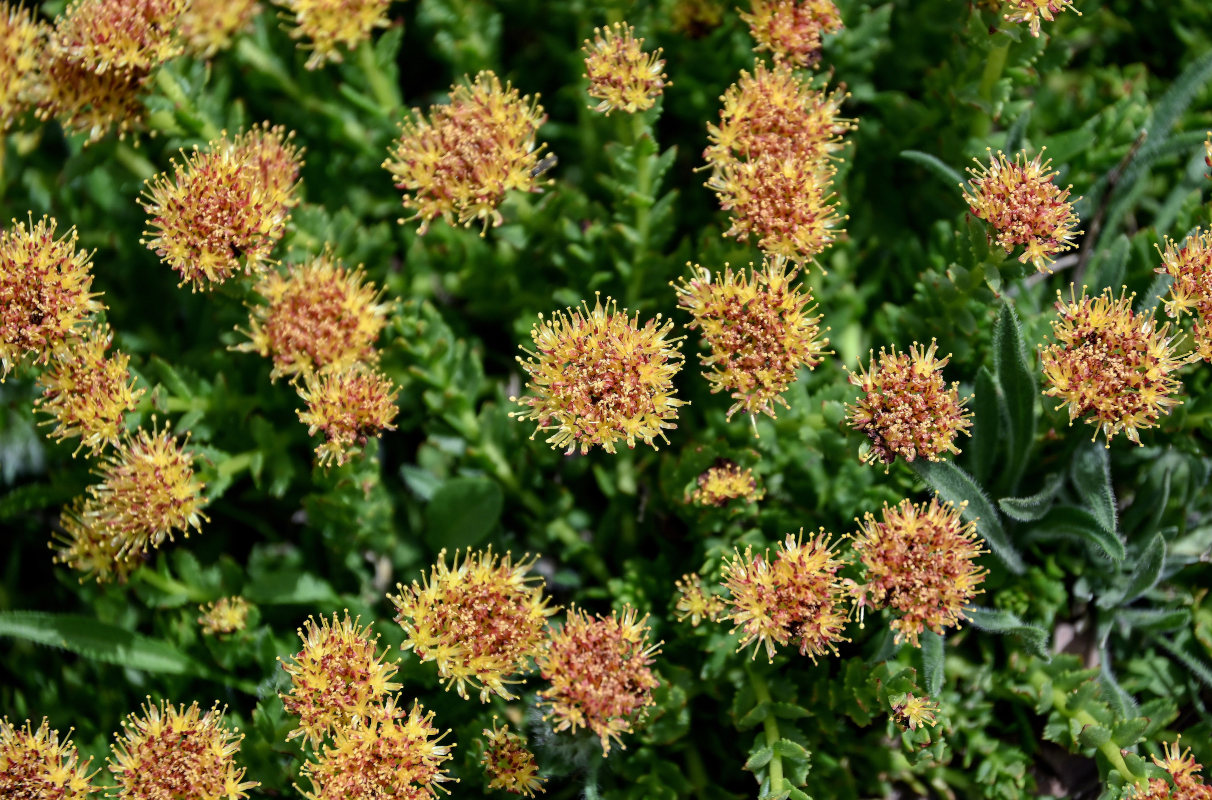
<point>225,615</point>
<point>131,36</point>
<point>599,672</point>
<point>509,764</point>
<point>913,712</point>
<point>21,42</point>
<point>35,765</point>
<point>621,75</point>
<point>1111,365</point>
<point>223,209</point>
<point>1033,11</point>
<point>458,162</point>
<point>906,409</point>
<point>1184,773</point>
<point>1024,206</point>
<point>392,756</point>
<point>83,543</point>
<point>725,482</point>
<point>319,316</point>
<point>328,25</point>
<point>170,752</point>
<point>87,393</point>
<point>88,102</point>
<point>348,408</point>
<point>795,599</point>
<point>694,603</point>
<point>337,679</point>
<point>758,327</point>
<point>1190,267</point>
<point>44,291</point>
<point>208,26</point>
<point>792,29</point>
<point>599,378</point>
<point>481,621</point>
<point>919,561</point>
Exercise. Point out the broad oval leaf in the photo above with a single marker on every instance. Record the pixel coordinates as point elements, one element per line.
<point>462,512</point>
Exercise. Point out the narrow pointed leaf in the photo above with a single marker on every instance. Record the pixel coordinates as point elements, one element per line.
<point>1091,474</point>
<point>1143,578</point>
<point>935,166</point>
<point>1017,382</point>
<point>1033,507</point>
<point>952,484</point>
<point>1003,622</point>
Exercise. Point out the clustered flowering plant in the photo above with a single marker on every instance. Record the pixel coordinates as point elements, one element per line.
<point>620,400</point>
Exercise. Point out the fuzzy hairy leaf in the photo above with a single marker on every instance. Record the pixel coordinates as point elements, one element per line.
<point>956,486</point>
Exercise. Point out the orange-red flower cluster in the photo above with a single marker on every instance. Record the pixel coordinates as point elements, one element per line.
<point>791,30</point>
<point>35,764</point>
<point>349,408</point>
<point>21,42</point>
<point>1184,775</point>
<point>1190,268</point>
<point>509,764</point>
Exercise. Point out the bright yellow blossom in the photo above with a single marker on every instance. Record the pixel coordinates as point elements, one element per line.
<point>621,75</point>
<point>509,764</point>
<point>348,408</point>
<point>726,482</point>
<point>35,765</point>
<point>1190,269</point>
<point>21,42</point>
<point>327,26</point>
<point>792,29</point>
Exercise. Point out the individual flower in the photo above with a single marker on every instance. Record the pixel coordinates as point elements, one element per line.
<point>726,482</point>
<point>1190,268</point>
<point>131,36</point>
<point>223,209</point>
<point>349,408</point>
<point>621,75</point>
<point>759,328</point>
<point>318,316</point>
<point>1111,365</point>
<point>792,29</point>
<point>35,765</point>
<point>326,26</point>
<point>1184,773</point>
<point>919,561</point>
<point>177,752</point>
<point>83,542</point>
<point>88,102</point>
<point>209,26</point>
<point>21,42</point>
<point>459,161</point>
<point>599,672</point>
<point>913,712</point>
<point>392,755</point>
<point>87,393</point>
<point>906,409</point>
<point>337,680</point>
<point>44,291</point>
<point>694,603</point>
<point>1024,206</point>
<point>225,615</point>
<point>509,764</point>
<point>795,599</point>
<point>598,378</point>
<point>481,620</point>
<point>1032,11</point>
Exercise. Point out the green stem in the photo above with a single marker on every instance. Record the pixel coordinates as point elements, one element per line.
<point>169,585</point>
<point>186,404</point>
<point>770,726</point>
<point>237,463</point>
<point>995,64</point>
<point>167,83</point>
<point>643,218</point>
<point>134,161</point>
<point>572,541</point>
<point>385,93</point>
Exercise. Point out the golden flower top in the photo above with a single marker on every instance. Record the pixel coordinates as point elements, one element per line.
<point>35,765</point>
<point>1111,365</point>
<point>1190,268</point>
<point>792,29</point>
<point>1184,773</point>
<point>458,162</point>
<point>129,36</point>
<point>599,378</point>
<point>175,752</point>
<point>209,26</point>
<point>83,543</point>
<point>914,712</point>
<point>725,482</point>
<point>481,620</point>
<point>329,25</point>
<point>1033,11</point>
<point>774,112</point>
<point>44,291</point>
<point>1024,206</point>
<point>599,672</point>
<point>621,75</point>
<point>919,560</point>
<point>318,316</point>
<point>509,764</point>
<point>759,329</point>
<point>225,615</point>
<point>223,209</point>
<point>349,408</point>
<point>906,409</point>
<point>88,102</point>
<point>694,603</point>
<point>87,393</point>
<point>337,679</point>
<point>392,755</point>
<point>21,42</point>
<point>795,599</point>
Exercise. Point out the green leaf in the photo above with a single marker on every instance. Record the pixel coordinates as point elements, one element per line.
<point>759,758</point>
<point>1127,732</point>
<point>97,640</point>
<point>1109,266</point>
<point>462,512</point>
<point>935,166</point>
<point>1071,522</point>
<point>1091,474</point>
<point>1143,578</point>
<point>1031,508</point>
<point>785,748</point>
<point>986,426</point>
<point>932,662</point>
<point>755,716</point>
<point>1175,101</point>
<point>1017,381</point>
<point>1014,136</point>
<point>956,486</point>
<point>1194,664</point>
<point>1153,620</point>
<point>1003,622</point>
<point>1094,736</point>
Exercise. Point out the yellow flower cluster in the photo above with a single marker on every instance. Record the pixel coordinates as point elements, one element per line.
<point>1035,11</point>
<point>1190,269</point>
<point>458,162</point>
<point>621,75</point>
<point>1184,774</point>
<point>509,764</point>
<point>348,408</point>
<point>208,26</point>
<point>225,615</point>
<point>726,482</point>
<point>21,41</point>
<point>791,30</point>
<point>35,764</point>
<point>694,603</point>
<point>328,25</point>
